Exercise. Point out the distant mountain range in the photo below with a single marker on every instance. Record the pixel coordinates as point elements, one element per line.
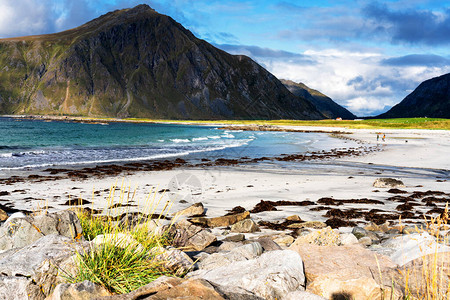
<point>430,99</point>
<point>323,103</point>
<point>139,63</point>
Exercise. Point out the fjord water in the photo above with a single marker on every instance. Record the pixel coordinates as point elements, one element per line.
<point>38,144</point>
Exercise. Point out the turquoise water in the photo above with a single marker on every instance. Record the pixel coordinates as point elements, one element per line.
<point>37,144</point>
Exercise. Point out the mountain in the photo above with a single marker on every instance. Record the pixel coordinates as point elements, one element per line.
<point>430,99</point>
<point>323,103</point>
<point>138,63</point>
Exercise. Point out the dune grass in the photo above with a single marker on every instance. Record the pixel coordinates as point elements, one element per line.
<point>125,258</point>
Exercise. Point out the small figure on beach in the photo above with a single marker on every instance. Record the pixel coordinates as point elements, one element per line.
<point>378,137</point>
<point>384,136</point>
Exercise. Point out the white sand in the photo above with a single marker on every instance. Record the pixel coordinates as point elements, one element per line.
<point>420,161</point>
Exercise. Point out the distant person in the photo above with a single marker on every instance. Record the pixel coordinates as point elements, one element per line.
<point>384,137</point>
<point>378,137</point>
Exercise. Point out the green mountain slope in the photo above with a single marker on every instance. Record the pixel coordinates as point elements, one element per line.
<point>138,63</point>
<point>321,102</point>
<point>430,99</point>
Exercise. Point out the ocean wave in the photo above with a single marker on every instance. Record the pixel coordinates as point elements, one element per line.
<point>199,139</point>
<point>180,140</point>
<point>24,153</point>
<point>228,135</point>
<point>213,137</point>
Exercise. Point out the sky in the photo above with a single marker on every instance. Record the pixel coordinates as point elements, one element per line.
<point>366,55</point>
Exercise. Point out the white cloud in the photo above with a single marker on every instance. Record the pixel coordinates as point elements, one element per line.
<point>23,17</point>
<point>356,80</point>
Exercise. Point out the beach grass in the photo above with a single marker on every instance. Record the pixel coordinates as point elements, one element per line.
<point>124,258</point>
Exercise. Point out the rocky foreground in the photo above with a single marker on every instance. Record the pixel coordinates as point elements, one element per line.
<point>310,260</point>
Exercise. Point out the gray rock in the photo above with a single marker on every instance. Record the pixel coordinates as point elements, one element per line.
<point>85,290</point>
<point>388,183</point>
<point>235,293</point>
<point>235,238</point>
<point>191,237</point>
<point>303,295</point>
<point>268,244</point>
<point>245,226</point>
<point>359,232</point>
<point>174,259</point>
<point>365,241</point>
<point>347,239</point>
<point>19,231</point>
<point>271,276</point>
<point>245,252</point>
<point>14,288</point>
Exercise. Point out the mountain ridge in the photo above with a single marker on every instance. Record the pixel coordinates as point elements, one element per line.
<point>323,103</point>
<point>138,63</point>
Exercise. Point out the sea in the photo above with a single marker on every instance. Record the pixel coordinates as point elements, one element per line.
<point>36,144</point>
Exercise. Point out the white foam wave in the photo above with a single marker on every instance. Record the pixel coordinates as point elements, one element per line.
<point>214,137</point>
<point>228,135</point>
<point>199,139</point>
<point>180,140</point>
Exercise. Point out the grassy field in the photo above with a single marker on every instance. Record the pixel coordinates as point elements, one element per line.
<point>405,123</point>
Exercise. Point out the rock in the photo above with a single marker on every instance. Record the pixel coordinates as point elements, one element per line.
<point>173,259</point>
<point>14,288</point>
<point>342,269</point>
<point>20,231</point>
<point>410,230</point>
<point>171,288</point>
<point>309,224</point>
<point>235,238</point>
<point>405,248</point>
<point>271,276</point>
<point>294,218</point>
<point>3,215</point>
<point>359,232</point>
<point>284,240</point>
<point>321,237</point>
<point>347,239</point>
<point>41,262</point>
<point>372,227</point>
<point>365,241</point>
<point>191,237</point>
<point>85,290</point>
<point>193,210</point>
<point>221,221</point>
<point>228,246</point>
<point>245,226</point>
<point>245,252</point>
<point>268,244</point>
<point>388,183</point>
<point>303,295</point>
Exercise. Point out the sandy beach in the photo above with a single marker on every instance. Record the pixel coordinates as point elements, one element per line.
<point>419,158</point>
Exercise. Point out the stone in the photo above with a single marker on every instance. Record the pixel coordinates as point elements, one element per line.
<point>228,246</point>
<point>14,288</point>
<point>359,232</point>
<point>405,248</point>
<point>235,238</point>
<point>223,221</point>
<point>245,226</point>
<point>41,262</point>
<point>195,209</point>
<point>321,237</point>
<point>268,244</point>
<point>365,241</point>
<point>3,215</point>
<point>388,183</point>
<point>173,259</point>
<point>85,290</point>
<point>245,252</point>
<point>372,227</point>
<point>303,295</point>
<point>284,240</point>
<point>308,224</point>
<point>334,270</point>
<point>191,237</point>
<point>171,288</point>
<point>347,239</point>
<point>294,218</point>
<point>271,276</point>
<point>20,231</point>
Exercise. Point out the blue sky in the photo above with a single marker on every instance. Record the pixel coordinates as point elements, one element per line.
<point>366,55</point>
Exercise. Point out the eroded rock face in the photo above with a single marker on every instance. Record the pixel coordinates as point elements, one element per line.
<point>245,252</point>
<point>343,270</point>
<point>271,276</point>
<point>85,290</point>
<point>192,237</point>
<point>19,232</point>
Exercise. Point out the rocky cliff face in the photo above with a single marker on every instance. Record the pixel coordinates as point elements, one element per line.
<point>138,63</point>
<point>321,102</point>
<point>430,99</point>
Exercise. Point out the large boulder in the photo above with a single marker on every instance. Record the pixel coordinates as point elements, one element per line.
<point>343,270</point>
<point>223,221</point>
<point>245,252</point>
<point>322,237</point>
<point>245,226</point>
<point>271,276</point>
<point>191,237</point>
<point>40,263</point>
<point>18,232</point>
<point>85,290</point>
<point>173,259</point>
<point>195,209</point>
